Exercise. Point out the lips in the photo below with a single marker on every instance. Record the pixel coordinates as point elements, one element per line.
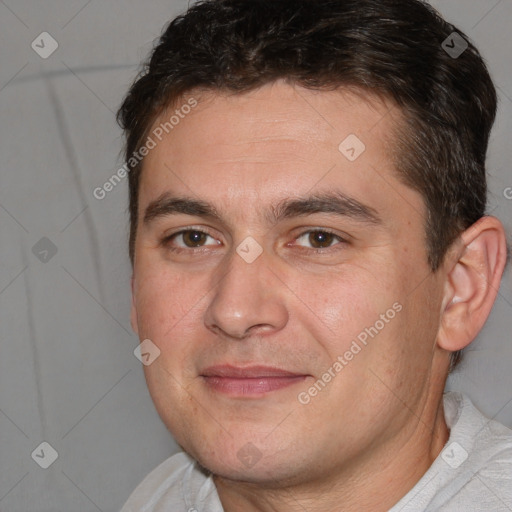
<point>248,381</point>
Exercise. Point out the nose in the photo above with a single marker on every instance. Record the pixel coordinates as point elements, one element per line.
<point>248,300</point>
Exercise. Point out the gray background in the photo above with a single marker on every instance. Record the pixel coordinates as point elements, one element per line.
<point>68,375</point>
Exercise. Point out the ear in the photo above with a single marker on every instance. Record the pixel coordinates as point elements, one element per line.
<point>133,312</point>
<point>473,276</point>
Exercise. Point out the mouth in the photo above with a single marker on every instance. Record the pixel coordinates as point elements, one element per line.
<point>249,381</point>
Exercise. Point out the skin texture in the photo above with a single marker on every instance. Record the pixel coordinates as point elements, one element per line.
<point>367,437</point>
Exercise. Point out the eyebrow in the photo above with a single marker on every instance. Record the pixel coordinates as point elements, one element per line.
<point>326,202</point>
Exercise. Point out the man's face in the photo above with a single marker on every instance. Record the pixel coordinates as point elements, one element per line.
<point>245,341</point>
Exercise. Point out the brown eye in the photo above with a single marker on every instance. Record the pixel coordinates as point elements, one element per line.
<point>320,239</point>
<point>188,239</point>
<point>194,238</point>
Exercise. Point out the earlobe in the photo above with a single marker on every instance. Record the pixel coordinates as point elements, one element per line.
<point>472,283</point>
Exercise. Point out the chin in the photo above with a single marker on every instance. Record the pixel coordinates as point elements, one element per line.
<point>238,459</point>
<point>263,473</point>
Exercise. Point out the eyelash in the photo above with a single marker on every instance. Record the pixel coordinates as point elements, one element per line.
<point>165,242</point>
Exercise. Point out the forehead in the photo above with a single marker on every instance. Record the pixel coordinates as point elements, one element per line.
<point>275,114</point>
<point>274,142</point>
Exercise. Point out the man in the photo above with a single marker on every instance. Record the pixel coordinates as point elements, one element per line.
<point>310,255</point>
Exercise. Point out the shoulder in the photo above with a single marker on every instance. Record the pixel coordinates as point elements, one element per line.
<point>164,483</point>
<point>487,441</point>
<point>473,472</point>
<point>493,467</point>
<point>479,460</point>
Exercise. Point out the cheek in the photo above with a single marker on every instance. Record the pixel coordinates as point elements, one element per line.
<point>163,299</point>
<point>340,305</point>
